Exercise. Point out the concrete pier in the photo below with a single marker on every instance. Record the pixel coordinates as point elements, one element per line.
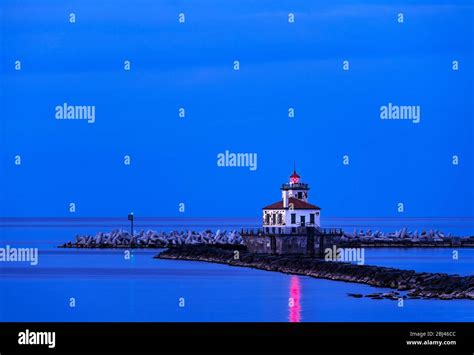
<point>309,241</point>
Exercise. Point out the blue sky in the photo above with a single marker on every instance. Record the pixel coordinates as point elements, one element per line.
<point>190,65</point>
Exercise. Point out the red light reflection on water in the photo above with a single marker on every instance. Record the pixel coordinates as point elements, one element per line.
<point>294,305</point>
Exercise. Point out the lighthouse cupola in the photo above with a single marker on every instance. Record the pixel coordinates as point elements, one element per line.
<point>294,178</point>
<point>294,189</point>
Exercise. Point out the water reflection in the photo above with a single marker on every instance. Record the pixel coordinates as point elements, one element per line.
<point>294,305</point>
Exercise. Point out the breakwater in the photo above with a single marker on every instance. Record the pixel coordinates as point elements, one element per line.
<point>404,238</point>
<point>416,284</point>
<point>153,239</point>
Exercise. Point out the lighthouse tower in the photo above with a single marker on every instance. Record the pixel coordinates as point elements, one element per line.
<point>294,189</point>
<point>293,210</point>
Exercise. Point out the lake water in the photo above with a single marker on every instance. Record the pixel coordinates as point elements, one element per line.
<point>106,286</point>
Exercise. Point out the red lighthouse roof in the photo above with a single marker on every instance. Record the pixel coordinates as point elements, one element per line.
<point>295,205</point>
<point>295,175</point>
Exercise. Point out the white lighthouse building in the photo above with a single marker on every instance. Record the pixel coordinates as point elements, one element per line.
<point>293,210</point>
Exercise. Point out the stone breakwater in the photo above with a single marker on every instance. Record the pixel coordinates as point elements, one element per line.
<point>152,239</point>
<point>403,238</point>
<point>417,284</point>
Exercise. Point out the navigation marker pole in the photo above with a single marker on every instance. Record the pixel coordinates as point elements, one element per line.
<point>130,218</point>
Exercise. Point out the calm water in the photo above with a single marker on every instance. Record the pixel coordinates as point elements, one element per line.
<point>107,287</point>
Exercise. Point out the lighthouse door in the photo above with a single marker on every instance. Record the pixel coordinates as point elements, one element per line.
<point>303,221</point>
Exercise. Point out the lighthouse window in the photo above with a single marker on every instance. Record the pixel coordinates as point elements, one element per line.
<point>267,219</point>
<point>280,218</point>
<point>293,218</point>
<point>311,218</point>
<point>300,195</point>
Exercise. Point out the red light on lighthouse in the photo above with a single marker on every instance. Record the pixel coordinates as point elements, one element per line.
<point>294,178</point>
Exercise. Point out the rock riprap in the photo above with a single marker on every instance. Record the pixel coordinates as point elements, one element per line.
<point>403,237</point>
<point>153,239</point>
<point>417,284</point>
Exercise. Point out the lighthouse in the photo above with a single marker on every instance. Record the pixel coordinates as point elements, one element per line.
<point>291,225</point>
<point>293,210</point>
